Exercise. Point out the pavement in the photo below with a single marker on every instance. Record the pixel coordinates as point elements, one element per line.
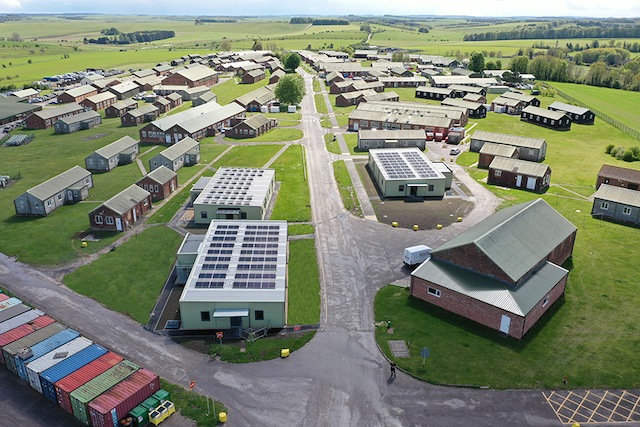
<point>340,378</point>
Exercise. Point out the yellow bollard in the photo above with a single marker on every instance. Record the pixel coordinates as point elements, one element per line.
<point>439,226</point>
<point>284,352</point>
<point>222,417</point>
<point>84,244</point>
<point>459,219</point>
<point>394,224</point>
<point>415,227</point>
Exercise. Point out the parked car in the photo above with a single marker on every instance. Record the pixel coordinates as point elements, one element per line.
<point>454,151</point>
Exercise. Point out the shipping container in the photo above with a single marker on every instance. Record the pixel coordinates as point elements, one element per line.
<point>81,397</point>
<point>107,409</point>
<point>38,366</point>
<point>3,297</point>
<point>20,319</point>
<point>9,351</point>
<point>72,382</point>
<point>8,303</point>
<point>13,311</point>
<point>54,374</point>
<point>22,331</point>
<point>36,351</point>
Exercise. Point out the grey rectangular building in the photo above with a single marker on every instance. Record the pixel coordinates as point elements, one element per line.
<point>120,152</point>
<point>617,203</point>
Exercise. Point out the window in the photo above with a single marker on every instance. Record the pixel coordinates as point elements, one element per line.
<point>626,211</point>
<point>98,219</point>
<point>205,316</point>
<point>157,189</point>
<point>400,187</point>
<point>59,196</point>
<point>433,291</point>
<point>109,220</point>
<point>430,187</point>
<point>546,301</point>
<point>203,214</point>
<point>605,206</point>
<point>144,133</point>
<point>146,202</point>
<point>48,202</point>
<point>146,187</point>
<point>243,215</point>
<point>497,173</point>
<point>259,314</point>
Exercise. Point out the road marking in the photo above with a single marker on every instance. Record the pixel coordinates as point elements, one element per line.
<point>588,406</point>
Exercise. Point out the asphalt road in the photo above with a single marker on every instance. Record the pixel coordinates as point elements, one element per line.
<point>340,378</point>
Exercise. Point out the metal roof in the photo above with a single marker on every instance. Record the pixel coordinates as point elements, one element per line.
<point>503,100</point>
<point>440,90</point>
<point>168,122</point>
<point>59,183</point>
<point>240,261</point>
<point>463,80</point>
<point>125,200</point>
<point>621,195</point>
<point>502,138</point>
<point>622,174</point>
<point>256,72</point>
<point>116,147</point>
<point>179,148</point>
<point>574,109</point>
<point>520,166</point>
<point>454,102</point>
<point>197,73</point>
<point>357,93</point>
<point>58,111</point>
<point>100,97</point>
<point>75,118</point>
<point>468,89</point>
<point>381,96</point>
<point>123,104</point>
<point>398,134</point>
<point>80,91</point>
<point>25,92</point>
<point>257,121</point>
<point>161,174</point>
<point>124,87</point>
<point>519,300</point>
<point>516,238</point>
<point>383,116</point>
<point>217,115</point>
<point>520,96</point>
<point>494,149</point>
<point>553,115</point>
<point>237,187</point>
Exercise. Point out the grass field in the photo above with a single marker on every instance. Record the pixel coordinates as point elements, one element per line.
<point>293,203</point>
<point>345,185</point>
<point>248,156</point>
<point>274,135</point>
<point>230,90</point>
<point>130,278</point>
<point>304,283</point>
<point>297,229</point>
<point>332,143</point>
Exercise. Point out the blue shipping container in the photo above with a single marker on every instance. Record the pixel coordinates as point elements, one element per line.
<point>43,348</point>
<point>54,374</point>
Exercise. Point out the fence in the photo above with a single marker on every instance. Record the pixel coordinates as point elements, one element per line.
<point>634,133</point>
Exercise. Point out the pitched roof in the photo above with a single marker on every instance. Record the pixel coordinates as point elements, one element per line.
<point>574,109</point>
<point>455,102</point>
<point>520,166</point>
<point>202,121</point>
<point>621,195</point>
<point>80,91</point>
<point>197,73</point>
<point>116,147</point>
<point>520,300</point>
<point>503,100</point>
<point>58,183</point>
<point>122,202</point>
<point>123,104</point>
<point>124,87</point>
<point>502,138</point>
<point>441,90</point>
<point>520,96</point>
<point>494,149</point>
<point>516,238</point>
<point>179,148</point>
<point>168,122</point>
<point>553,115</point>
<point>622,174</point>
<point>161,174</point>
<point>392,134</point>
<point>146,109</point>
<point>100,97</point>
<point>256,121</point>
<point>87,115</point>
<point>265,91</point>
<point>58,111</point>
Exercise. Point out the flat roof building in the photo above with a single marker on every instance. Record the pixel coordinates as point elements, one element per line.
<point>238,279</point>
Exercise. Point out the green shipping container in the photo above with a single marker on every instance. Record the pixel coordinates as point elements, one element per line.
<point>9,351</point>
<point>84,394</point>
<point>161,395</point>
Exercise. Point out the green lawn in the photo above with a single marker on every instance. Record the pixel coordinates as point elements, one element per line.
<point>169,209</point>
<point>293,203</point>
<point>352,142</point>
<point>326,124</point>
<point>316,86</point>
<point>195,409</point>
<point>304,283</point>
<point>343,119</point>
<point>274,135</point>
<point>228,91</point>
<point>297,229</point>
<point>347,192</point>
<point>332,143</point>
<point>262,349</point>
<point>247,156</point>
<point>129,279</point>
<point>321,106</point>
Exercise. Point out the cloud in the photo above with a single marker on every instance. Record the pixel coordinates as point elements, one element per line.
<point>10,5</point>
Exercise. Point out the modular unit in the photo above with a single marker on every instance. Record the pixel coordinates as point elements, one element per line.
<point>49,360</point>
<point>71,382</point>
<point>10,350</point>
<point>22,331</point>
<point>20,319</point>
<point>42,348</point>
<point>68,366</point>
<point>107,409</point>
<point>81,397</point>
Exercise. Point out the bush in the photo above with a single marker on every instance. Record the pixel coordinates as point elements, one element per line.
<point>636,152</point>
<point>609,148</point>
<point>620,153</point>
<point>628,156</point>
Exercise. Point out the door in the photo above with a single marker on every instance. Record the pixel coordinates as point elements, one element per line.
<point>70,195</point>
<point>134,215</point>
<point>414,191</point>
<point>236,322</point>
<point>531,183</point>
<point>505,322</point>
<point>355,126</point>
<point>518,180</point>
<point>168,139</point>
<point>118,224</point>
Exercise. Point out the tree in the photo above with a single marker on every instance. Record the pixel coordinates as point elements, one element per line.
<point>257,45</point>
<point>290,89</point>
<point>477,62</point>
<point>15,37</point>
<point>225,44</point>
<point>519,64</point>
<point>292,61</point>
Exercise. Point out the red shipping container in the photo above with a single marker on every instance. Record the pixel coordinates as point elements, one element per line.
<point>22,331</point>
<point>114,404</point>
<point>3,297</point>
<point>68,384</point>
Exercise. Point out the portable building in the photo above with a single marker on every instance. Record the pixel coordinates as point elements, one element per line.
<point>120,152</point>
<point>577,114</point>
<point>84,394</point>
<point>120,108</point>
<point>252,127</point>
<point>113,405</point>
<point>21,319</point>
<point>519,174</point>
<point>557,120</point>
<point>37,351</point>
<point>527,99</point>
<point>141,115</point>
<point>619,177</point>
<point>44,119</point>
<point>22,331</point>
<point>368,139</point>
<point>100,101</point>
<point>10,351</point>
<point>66,367</point>
<point>159,182</point>
<point>491,150</point>
<point>533,149</point>
<point>186,152</point>
<point>77,122</point>
<point>51,359</point>
<point>617,203</point>
<point>438,93</point>
<point>77,94</point>
<point>122,210</point>
<point>67,385</point>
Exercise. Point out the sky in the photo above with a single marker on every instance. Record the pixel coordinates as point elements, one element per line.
<point>488,8</point>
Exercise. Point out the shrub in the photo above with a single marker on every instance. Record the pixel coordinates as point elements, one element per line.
<point>636,152</point>
<point>620,153</point>
<point>628,156</point>
<point>609,148</point>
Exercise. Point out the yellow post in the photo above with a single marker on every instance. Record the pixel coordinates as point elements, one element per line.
<point>394,224</point>
<point>415,227</point>
<point>284,352</point>
<point>84,244</point>
<point>459,219</point>
<point>439,226</point>
<point>222,417</point>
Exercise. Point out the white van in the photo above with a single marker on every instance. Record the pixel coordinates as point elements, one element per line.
<point>415,255</point>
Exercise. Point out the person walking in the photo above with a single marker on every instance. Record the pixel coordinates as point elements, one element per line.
<point>393,369</point>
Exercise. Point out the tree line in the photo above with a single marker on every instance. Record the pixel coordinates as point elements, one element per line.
<point>544,32</point>
<point>319,21</point>
<point>116,37</point>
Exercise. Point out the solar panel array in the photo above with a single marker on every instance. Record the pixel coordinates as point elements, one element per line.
<point>395,165</point>
<point>423,168</point>
<point>236,187</point>
<point>245,257</point>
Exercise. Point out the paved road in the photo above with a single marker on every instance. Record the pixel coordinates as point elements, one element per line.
<point>340,377</point>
